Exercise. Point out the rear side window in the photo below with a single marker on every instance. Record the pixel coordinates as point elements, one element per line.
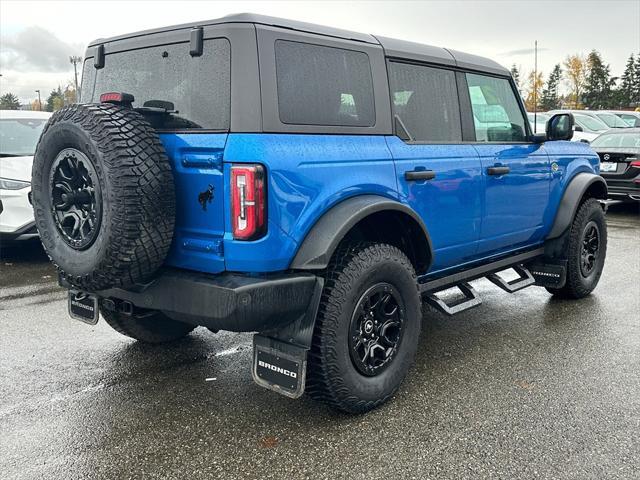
<point>496,113</point>
<point>319,85</point>
<point>196,89</point>
<point>426,100</point>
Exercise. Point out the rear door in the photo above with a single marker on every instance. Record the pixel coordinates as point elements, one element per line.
<point>186,97</point>
<point>438,175</point>
<point>516,172</point>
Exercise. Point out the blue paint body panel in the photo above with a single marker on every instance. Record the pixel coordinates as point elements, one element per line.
<point>451,203</point>
<point>470,215</point>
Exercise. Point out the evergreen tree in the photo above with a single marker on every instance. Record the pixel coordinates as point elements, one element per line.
<point>598,92</point>
<point>515,73</point>
<point>628,83</point>
<point>9,101</point>
<point>550,99</point>
<point>636,82</point>
<point>55,101</point>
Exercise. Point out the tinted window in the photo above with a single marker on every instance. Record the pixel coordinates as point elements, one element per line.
<point>197,88</point>
<point>496,113</point>
<point>88,80</point>
<point>590,123</point>
<point>612,120</point>
<point>621,140</point>
<point>426,100</point>
<point>320,85</point>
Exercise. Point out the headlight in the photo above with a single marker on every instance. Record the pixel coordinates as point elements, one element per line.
<point>8,184</point>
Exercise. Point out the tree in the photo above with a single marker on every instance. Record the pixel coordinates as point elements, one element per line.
<point>534,89</point>
<point>598,92</point>
<point>575,75</point>
<point>9,101</point>
<point>55,101</point>
<point>628,82</point>
<point>515,73</point>
<point>550,99</point>
<point>636,76</point>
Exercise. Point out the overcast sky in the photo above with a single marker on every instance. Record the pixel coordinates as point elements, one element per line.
<point>36,38</point>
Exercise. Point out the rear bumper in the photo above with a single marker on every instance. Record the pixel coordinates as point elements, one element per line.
<point>234,302</point>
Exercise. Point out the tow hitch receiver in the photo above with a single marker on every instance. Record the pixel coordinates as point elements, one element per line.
<point>279,366</point>
<point>83,306</point>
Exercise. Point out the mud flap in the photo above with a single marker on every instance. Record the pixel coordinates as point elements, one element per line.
<point>279,366</point>
<point>552,274</point>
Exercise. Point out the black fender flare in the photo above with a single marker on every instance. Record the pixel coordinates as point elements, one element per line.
<point>321,241</point>
<point>573,194</point>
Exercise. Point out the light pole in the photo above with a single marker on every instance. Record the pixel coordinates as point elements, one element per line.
<point>75,60</point>
<point>39,101</point>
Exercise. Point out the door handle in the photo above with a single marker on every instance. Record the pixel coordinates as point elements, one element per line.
<point>498,170</point>
<point>413,175</point>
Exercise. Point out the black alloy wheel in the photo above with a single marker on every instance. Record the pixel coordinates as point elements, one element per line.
<point>76,205</point>
<point>376,329</point>
<point>590,248</point>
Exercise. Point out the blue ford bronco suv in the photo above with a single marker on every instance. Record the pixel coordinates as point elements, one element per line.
<point>312,185</point>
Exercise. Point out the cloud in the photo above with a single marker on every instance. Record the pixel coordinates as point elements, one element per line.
<point>522,51</point>
<point>35,49</point>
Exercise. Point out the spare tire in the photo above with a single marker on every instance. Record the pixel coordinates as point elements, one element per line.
<point>103,196</point>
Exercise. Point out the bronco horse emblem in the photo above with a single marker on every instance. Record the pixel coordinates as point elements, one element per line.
<point>205,197</point>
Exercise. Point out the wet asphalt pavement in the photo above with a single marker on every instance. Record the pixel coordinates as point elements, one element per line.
<point>524,386</point>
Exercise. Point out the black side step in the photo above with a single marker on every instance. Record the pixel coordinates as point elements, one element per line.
<point>470,300</point>
<point>480,271</point>
<point>524,280</point>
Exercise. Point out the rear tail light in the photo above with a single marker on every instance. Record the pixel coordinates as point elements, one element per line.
<point>248,201</point>
<point>634,162</point>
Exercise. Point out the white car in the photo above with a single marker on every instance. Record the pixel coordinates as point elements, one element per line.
<point>585,129</point>
<point>19,134</point>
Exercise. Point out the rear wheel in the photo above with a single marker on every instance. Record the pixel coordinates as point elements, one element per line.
<point>587,248</point>
<point>367,329</point>
<point>148,327</point>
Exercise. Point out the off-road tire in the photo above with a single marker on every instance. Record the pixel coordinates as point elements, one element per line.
<point>136,193</point>
<point>332,376</point>
<point>578,285</point>
<point>151,327</point>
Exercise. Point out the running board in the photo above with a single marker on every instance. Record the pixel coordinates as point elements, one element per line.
<point>470,300</point>
<point>524,280</point>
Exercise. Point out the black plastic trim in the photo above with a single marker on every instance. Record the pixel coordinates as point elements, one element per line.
<point>233,302</point>
<point>571,201</point>
<point>322,240</point>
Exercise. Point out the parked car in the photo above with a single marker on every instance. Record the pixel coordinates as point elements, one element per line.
<point>581,131</point>
<point>629,117</point>
<point>587,127</point>
<point>619,152</point>
<point>311,185</point>
<point>19,133</point>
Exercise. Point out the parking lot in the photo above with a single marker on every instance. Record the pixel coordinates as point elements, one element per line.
<point>524,386</point>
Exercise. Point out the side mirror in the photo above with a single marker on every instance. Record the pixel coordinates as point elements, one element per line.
<point>578,128</point>
<point>560,127</point>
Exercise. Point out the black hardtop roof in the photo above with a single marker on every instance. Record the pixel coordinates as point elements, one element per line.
<point>392,47</point>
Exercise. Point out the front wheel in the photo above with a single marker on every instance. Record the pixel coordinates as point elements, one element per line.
<point>367,329</point>
<point>587,248</point>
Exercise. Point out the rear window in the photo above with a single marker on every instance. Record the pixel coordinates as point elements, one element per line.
<point>195,90</point>
<point>617,140</point>
<point>319,85</point>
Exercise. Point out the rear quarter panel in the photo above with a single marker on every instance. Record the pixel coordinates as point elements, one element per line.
<point>307,175</point>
